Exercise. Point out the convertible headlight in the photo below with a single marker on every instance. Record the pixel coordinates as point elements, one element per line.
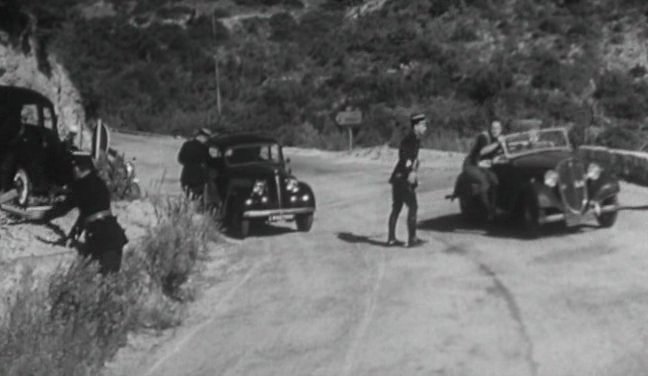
<point>551,178</point>
<point>594,171</point>
<point>292,185</point>
<point>259,188</point>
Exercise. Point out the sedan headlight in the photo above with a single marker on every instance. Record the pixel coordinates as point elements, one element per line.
<point>259,188</point>
<point>594,171</point>
<point>551,178</point>
<point>292,185</point>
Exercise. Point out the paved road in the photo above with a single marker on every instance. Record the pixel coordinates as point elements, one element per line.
<point>469,302</point>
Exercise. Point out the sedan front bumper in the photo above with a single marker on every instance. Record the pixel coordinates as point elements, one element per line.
<point>266,213</point>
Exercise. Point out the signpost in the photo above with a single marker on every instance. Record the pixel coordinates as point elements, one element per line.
<point>348,119</point>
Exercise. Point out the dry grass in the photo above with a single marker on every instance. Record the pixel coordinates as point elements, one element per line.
<point>75,320</point>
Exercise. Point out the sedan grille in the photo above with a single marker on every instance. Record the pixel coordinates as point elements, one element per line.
<point>572,185</point>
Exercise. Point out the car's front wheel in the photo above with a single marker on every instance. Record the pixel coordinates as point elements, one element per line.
<point>304,222</point>
<point>23,185</point>
<point>243,228</point>
<point>608,219</point>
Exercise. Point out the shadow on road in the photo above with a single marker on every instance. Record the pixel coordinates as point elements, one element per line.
<point>500,229</point>
<point>266,230</point>
<point>353,238</point>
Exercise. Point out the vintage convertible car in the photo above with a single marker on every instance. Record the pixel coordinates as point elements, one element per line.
<point>253,184</point>
<point>543,180</point>
<point>33,158</point>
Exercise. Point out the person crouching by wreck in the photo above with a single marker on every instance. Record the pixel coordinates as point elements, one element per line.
<point>104,237</point>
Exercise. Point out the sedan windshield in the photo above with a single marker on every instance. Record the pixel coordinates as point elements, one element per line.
<point>253,153</point>
<point>536,140</point>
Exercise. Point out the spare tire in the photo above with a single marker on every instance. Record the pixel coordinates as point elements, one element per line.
<point>22,183</point>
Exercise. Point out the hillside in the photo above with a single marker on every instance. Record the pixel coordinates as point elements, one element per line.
<point>287,66</point>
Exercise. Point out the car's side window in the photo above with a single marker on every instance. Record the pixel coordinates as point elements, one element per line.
<point>29,114</point>
<point>265,153</point>
<point>48,118</point>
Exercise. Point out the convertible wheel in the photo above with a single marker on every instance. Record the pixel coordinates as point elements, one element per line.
<point>304,222</point>
<point>472,210</point>
<point>608,219</point>
<point>243,228</point>
<point>22,184</point>
<point>464,207</point>
<point>530,216</point>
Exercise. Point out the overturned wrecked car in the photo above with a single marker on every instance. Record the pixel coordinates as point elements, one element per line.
<point>34,160</point>
<point>249,182</point>
<point>543,180</point>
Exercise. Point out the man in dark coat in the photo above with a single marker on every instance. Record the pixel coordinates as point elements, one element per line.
<point>193,157</point>
<point>104,237</point>
<point>404,182</point>
<point>486,146</point>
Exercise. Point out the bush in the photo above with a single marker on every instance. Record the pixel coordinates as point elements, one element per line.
<point>283,26</point>
<point>621,97</point>
<point>174,246</point>
<point>619,137</point>
<point>69,326</point>
<point>75,320</point>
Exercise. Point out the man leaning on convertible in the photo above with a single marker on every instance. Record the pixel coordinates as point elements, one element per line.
<point>478,171</point>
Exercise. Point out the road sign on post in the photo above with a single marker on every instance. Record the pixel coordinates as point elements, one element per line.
<point>349,119</point>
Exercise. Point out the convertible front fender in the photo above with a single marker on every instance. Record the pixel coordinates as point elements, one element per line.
<point>605,190</point>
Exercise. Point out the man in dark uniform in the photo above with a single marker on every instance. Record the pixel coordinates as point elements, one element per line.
<point>193,156</point>
<point>104,237</point>
<point>475,166</point>
<point>404,182</point>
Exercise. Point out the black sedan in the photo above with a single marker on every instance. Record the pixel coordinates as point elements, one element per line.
<point>253,183</point>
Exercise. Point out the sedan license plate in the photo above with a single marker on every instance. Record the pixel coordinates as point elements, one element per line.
<point>280,217</point>
<point>576,219</point>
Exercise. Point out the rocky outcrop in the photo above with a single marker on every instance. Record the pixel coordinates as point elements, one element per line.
<point>19,66</point>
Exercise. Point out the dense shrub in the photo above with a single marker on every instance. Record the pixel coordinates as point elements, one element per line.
<point>621,97</point>
<point>283,26</point>
<point>161,78</point>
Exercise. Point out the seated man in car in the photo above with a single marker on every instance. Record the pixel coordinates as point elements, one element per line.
<point>476,166</point>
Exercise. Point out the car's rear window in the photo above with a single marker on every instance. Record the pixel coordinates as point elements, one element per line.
<point>255,153</point>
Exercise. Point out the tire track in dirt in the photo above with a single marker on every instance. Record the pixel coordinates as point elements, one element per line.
<point>371,301</point>
<point>501,290</point>
<point>367,315</point>
<point>220,304</point>
<point>514,310</point>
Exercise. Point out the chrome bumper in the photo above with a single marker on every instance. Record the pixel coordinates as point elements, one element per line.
<point>593,209</point>
<point>277,212</point>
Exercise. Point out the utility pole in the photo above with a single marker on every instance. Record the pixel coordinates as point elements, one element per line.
<point>216,72</point>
